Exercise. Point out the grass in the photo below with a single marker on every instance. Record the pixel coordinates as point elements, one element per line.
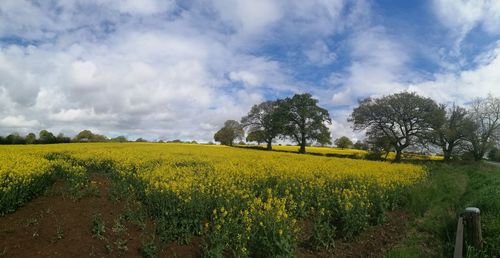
<point>435,205</point>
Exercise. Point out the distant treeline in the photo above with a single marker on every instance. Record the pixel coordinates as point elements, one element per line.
<point>46,137</point>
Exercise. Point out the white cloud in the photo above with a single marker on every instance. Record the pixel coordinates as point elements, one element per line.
<point>320,53</point>
<point>17,122</point>
<point>464,15</point>
<point>378,67</point>
<point>465,85</point>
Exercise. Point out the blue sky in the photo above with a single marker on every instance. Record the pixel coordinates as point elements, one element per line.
<point>164,69</point>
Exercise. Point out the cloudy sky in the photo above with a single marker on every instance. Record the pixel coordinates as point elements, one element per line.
<point>165,69</point>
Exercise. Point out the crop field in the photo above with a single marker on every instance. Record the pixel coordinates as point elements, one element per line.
<point>240,202</point>
<point>351,153</point>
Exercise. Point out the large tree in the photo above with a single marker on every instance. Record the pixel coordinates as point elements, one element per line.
<point>401,119</point>
<point>450,134</point>
<point>231,131</point>
<point>485,114</point>
<point>304,120</point>
<point>264,122</point>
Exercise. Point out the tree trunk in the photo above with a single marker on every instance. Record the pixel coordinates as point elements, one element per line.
<point>478,156</point>
<point>302,147</point>
<point>269,145</point>
<point>447,151</point>
<point>447,155</point>
<point>303,144</point>
<point>398,156</point>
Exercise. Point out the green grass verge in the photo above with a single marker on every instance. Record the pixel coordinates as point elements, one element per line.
<point>435,205</point>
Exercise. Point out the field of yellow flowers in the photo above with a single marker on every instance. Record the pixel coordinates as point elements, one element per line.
<point>242,202</point>
<point>353,153</point>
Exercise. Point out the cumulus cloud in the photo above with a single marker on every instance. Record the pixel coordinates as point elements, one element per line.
<point>17,122</point>
<point>464,15</point>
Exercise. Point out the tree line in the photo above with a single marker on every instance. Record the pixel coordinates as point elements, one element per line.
<point>393,122</point>
<point>46,137</point>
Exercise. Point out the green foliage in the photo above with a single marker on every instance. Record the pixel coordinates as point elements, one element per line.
<point>46,137</point>
<point>343,142</point>
<point>88,136</point>
<point>263,122</point>
<point>436,203</point>
<point>402,119</point>
<point>149,249</point>
<point>494,154</point>
<point>304,120</point>
<point>98,226</point>
<point>231,131</point>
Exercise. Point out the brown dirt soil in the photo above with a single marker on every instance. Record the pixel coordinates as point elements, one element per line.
<point>57,226</point>
<point>374,242</point>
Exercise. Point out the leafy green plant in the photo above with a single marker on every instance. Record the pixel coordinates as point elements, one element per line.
<point>98,226</point>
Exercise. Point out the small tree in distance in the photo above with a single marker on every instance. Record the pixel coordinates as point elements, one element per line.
<point>343,142</point>
<point>256,136</point>
<point>231,131</point>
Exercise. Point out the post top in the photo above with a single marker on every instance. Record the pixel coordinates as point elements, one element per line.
<point>472,210</point>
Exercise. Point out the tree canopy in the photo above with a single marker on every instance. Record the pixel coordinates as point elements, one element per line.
<point>263,122</point>
<point>303,120</point>
<point>231,131</point>
<point>452,131</point>
<point>401,118</point>
<point>343,142</point>
<point>485,114</point>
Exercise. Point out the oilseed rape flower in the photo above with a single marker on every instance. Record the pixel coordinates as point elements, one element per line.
<point>245,202</point>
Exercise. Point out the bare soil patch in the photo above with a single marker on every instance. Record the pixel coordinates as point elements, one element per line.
<point>374,242</point>
<point>55,225</point>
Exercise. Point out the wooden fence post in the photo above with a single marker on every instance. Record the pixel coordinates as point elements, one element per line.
<point>473,222</point>
<point>459,239</point>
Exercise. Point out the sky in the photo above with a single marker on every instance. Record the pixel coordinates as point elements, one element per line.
<point>165,69</point>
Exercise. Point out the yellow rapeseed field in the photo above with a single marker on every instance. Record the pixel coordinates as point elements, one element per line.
<point>243,201</point>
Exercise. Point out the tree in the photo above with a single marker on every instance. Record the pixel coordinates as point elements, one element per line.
<point>120,138</point>
<point>231,131</point>
<point>30,138</point>
<point>303,120</point>
<point>62,139</point>
<point>257,136</point>
<point>88,136</point>
<point>84,136</point>
<point>263,119</point>
<point>401,119</point>
<point>14,138</point>
<point>452,132</point>
<point>46,137</point>
<point>494,154</point>
<point>360,145</point>
<point>324,137</point>
<point>485,114</point>
<point>140,139</point>
<point>343,142</point>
